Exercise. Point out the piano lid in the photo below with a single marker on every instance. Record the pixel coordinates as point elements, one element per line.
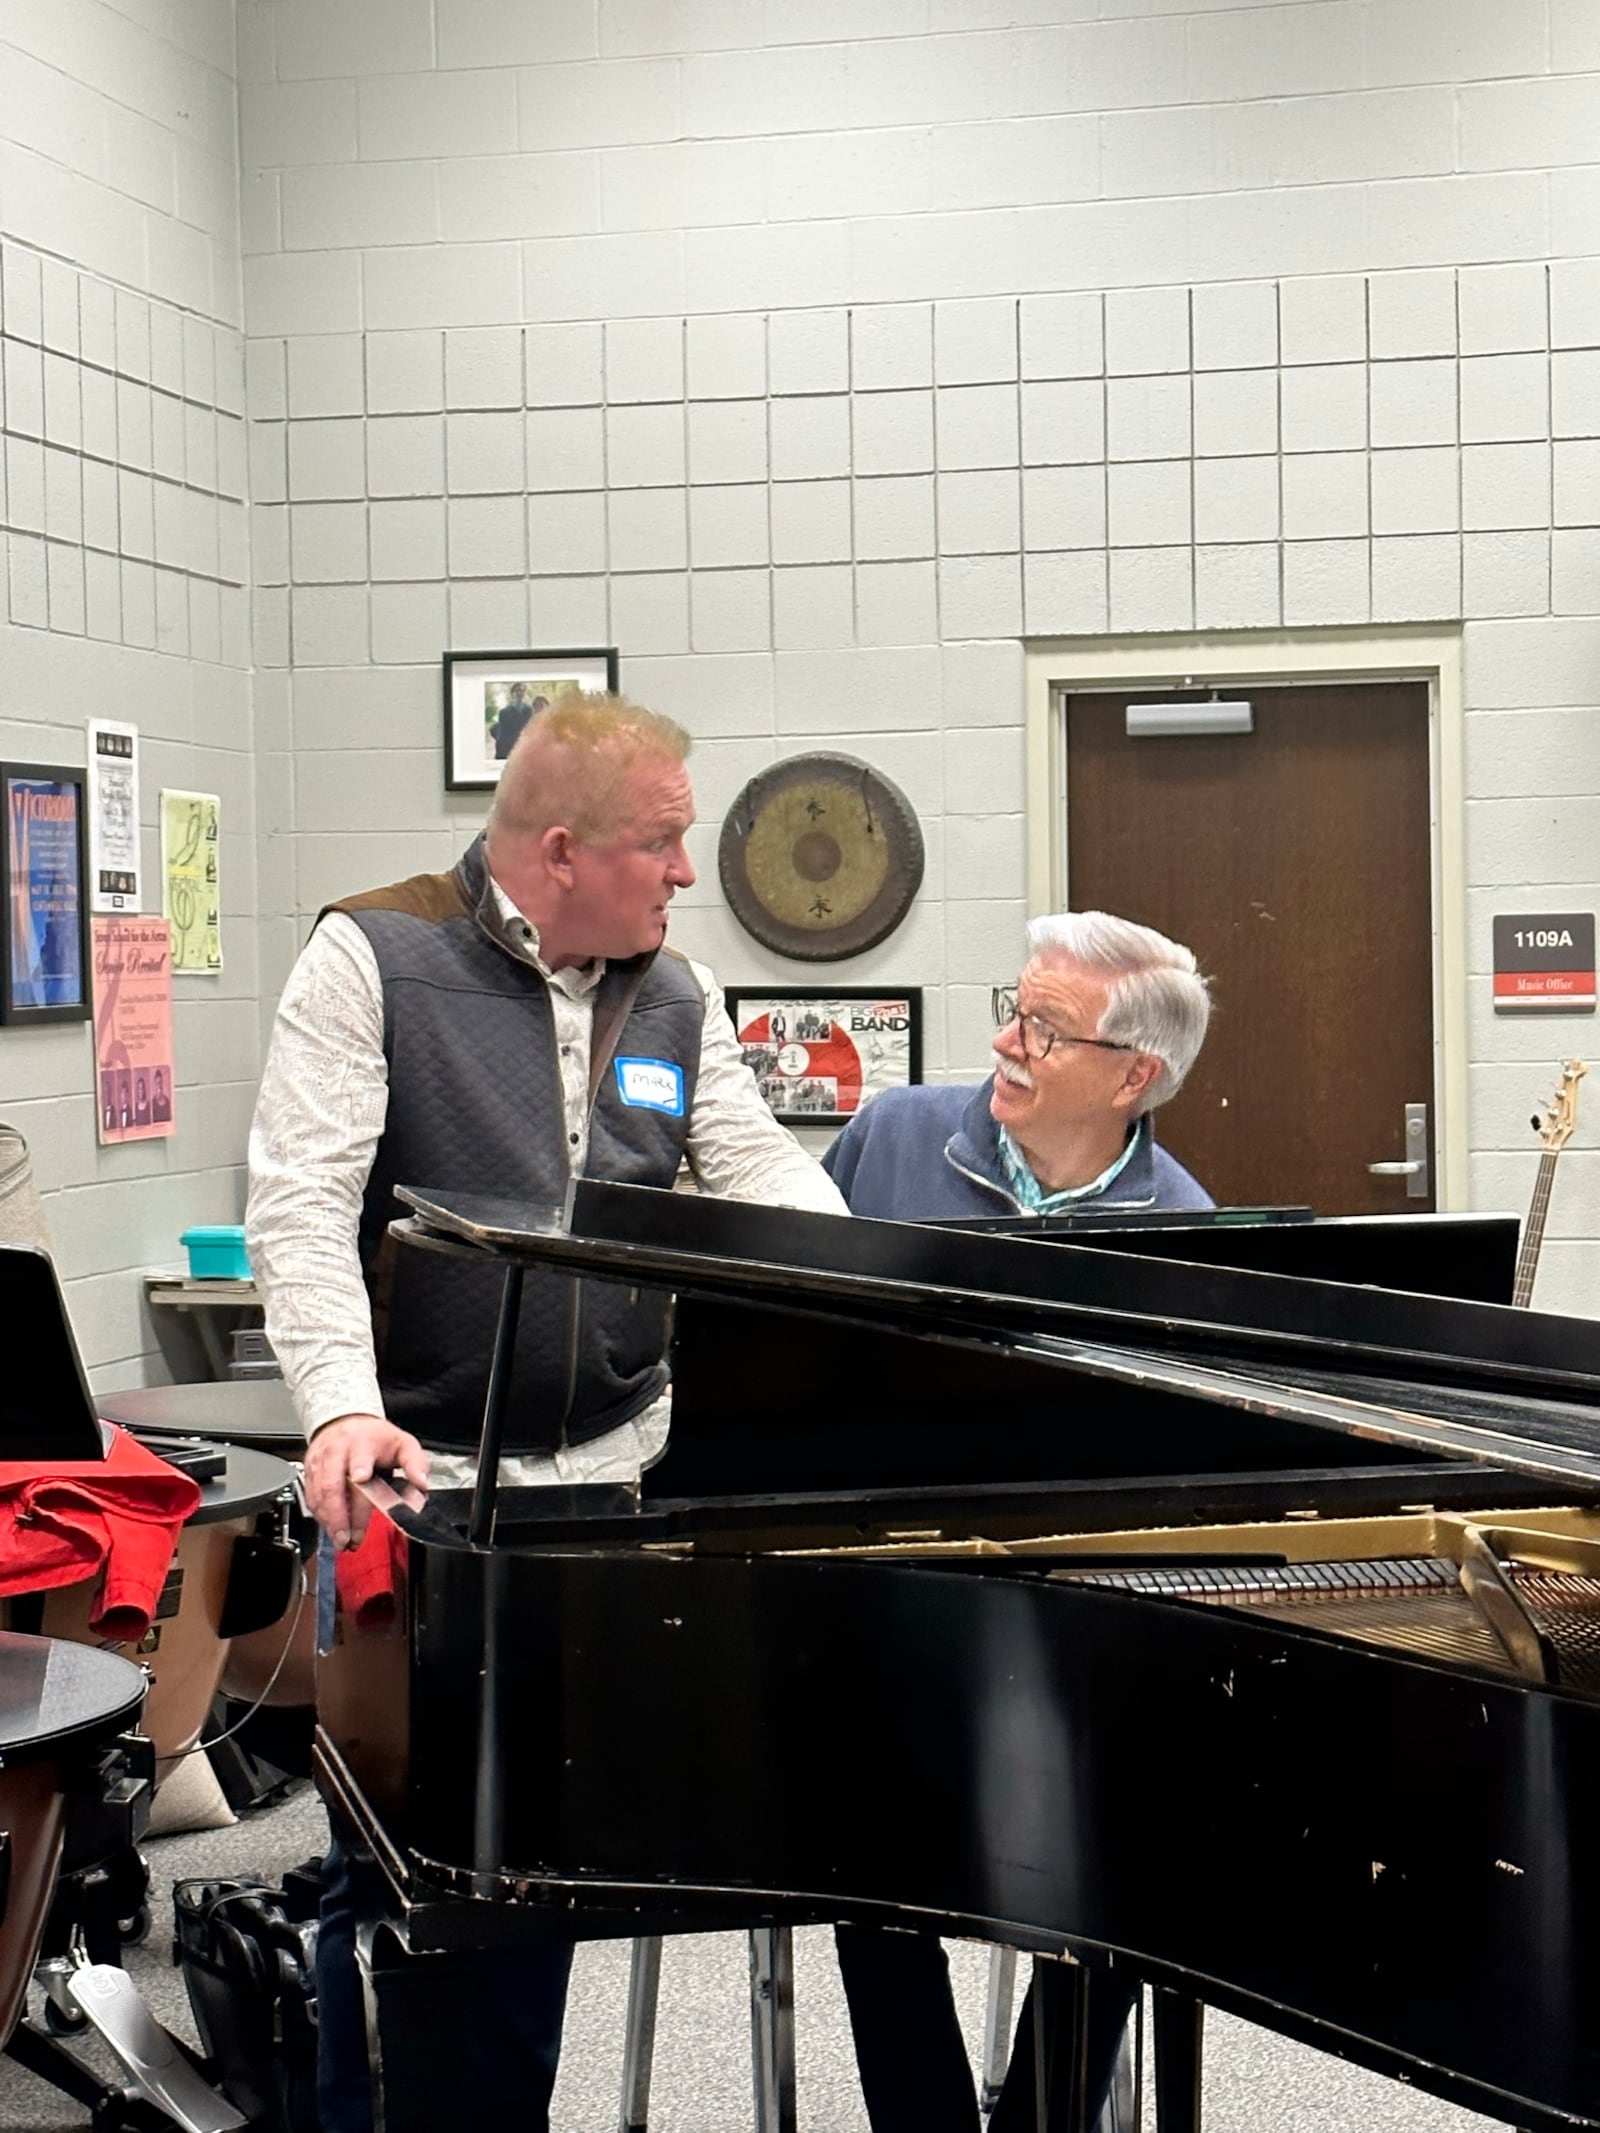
<point>1513,1388</point>
<point>1469,1256</point>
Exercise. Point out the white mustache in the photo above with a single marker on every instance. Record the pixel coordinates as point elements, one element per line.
<point>1008,1070</point>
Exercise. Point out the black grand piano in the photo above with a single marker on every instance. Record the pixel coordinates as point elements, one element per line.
<point>1237,1630</point>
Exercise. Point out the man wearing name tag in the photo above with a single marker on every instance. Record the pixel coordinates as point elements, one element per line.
<point>498,1029</point>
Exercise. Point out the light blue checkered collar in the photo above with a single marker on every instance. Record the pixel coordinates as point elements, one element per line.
<point>1030,1195</point>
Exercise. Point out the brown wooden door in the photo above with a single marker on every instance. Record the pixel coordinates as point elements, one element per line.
<point>1296,862</point>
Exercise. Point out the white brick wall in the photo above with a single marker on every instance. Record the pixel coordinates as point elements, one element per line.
<point>126,581</point>
<point>845,343</point>
<point>810,353</point>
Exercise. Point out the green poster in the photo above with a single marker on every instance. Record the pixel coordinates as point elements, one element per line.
<point>189,885</point>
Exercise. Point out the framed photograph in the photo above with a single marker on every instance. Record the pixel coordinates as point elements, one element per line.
<point>44,848</point>
<point>818,1056</point>
<point>490,698</point>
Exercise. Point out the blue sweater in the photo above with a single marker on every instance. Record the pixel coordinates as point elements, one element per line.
<point>932,1154</point>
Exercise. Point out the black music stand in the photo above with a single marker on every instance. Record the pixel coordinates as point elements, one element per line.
<point>48,1411</point>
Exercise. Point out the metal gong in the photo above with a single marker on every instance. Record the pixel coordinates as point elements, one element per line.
<point>820,857</point>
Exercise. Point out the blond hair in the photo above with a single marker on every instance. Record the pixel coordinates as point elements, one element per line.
<point>570,765</point>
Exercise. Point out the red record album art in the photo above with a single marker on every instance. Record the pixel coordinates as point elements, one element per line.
<point>821,1057</point>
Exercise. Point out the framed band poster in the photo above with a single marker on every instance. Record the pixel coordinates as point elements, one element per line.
<point>819,1055</point>
<point>44,855</point>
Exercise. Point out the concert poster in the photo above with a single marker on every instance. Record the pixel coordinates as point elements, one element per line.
<point>45,975</point>
<point>818,1056</point>
<point>135,1087</point>
<point>113,816</point>
<point>190,888</point>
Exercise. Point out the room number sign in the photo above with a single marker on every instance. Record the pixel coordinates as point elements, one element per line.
<point>1544,961</point>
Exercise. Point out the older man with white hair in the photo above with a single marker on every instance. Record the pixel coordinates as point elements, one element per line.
<point>1102,1026</point>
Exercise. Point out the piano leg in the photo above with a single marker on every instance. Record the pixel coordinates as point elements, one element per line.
<point>639,2047</point>
<point>1179,2027</point>
<point>467,2039</point>
<point>1062,1994</point>
<point>1069,2039</point>
<point>772,2027</point>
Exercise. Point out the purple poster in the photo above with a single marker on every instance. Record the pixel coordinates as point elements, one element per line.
<point>45,976</point>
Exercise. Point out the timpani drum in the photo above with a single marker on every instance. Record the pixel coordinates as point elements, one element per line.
<point>61,1705</point>
<point>186,1649</point>
<point>255,1415</point>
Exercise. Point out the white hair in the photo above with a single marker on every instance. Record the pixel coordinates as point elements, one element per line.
<point>1158,1002</point>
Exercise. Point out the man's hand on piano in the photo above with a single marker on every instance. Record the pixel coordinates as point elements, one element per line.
<point>343,1454</point>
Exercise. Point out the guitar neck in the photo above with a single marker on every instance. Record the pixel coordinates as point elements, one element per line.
<point>1533,1231</point>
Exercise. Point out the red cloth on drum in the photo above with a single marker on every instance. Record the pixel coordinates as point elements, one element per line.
<point>368,1577</point>
<point>63,1520</point>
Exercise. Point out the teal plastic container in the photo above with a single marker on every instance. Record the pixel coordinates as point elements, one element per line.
<point>216,1253</point>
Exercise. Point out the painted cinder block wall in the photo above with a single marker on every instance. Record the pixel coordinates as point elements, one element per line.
<point>815,352</point>
<point>123,575</point>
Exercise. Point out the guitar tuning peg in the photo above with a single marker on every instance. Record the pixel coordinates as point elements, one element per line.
<point>1536,1122</point>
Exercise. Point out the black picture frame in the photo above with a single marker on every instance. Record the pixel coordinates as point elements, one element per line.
<point>473,681</point>
<point>45,974</point>
<point>886,1057</point>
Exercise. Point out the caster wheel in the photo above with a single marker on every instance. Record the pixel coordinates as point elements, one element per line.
<point>61,2024</point>
<point>135,1931</point>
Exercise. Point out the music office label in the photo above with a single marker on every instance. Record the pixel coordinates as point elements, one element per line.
<point>1544,962</point>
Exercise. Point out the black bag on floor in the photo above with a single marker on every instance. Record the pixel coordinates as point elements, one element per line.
<point>248,1955</point>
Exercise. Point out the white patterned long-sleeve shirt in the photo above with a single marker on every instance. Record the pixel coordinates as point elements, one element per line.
<point>318,1121</point>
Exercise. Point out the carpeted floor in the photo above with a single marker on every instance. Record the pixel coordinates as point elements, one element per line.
<point>1255,2082</point>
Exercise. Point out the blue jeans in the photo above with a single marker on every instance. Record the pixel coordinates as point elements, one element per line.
<point>497,2023</point>
<point>910,2053</point>
<point>912,2058</point>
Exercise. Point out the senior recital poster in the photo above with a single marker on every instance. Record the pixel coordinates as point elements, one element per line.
<point>191,899</point>
<point>136,1090</point>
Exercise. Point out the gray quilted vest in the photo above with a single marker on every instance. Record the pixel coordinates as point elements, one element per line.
<point>475,1106</point>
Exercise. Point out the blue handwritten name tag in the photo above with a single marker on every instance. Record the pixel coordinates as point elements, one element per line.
<point>651,1085</point>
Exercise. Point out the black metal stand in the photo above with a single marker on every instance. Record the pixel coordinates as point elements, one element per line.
<point>1061,2045</point>
<point>480,1529</point>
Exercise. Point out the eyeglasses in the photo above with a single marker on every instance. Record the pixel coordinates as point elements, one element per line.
<point>1039,1040</point>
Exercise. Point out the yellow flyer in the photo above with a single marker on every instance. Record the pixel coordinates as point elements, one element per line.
<point>190,894</point>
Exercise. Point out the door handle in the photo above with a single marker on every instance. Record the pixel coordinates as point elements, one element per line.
<point>1413,1166</point>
